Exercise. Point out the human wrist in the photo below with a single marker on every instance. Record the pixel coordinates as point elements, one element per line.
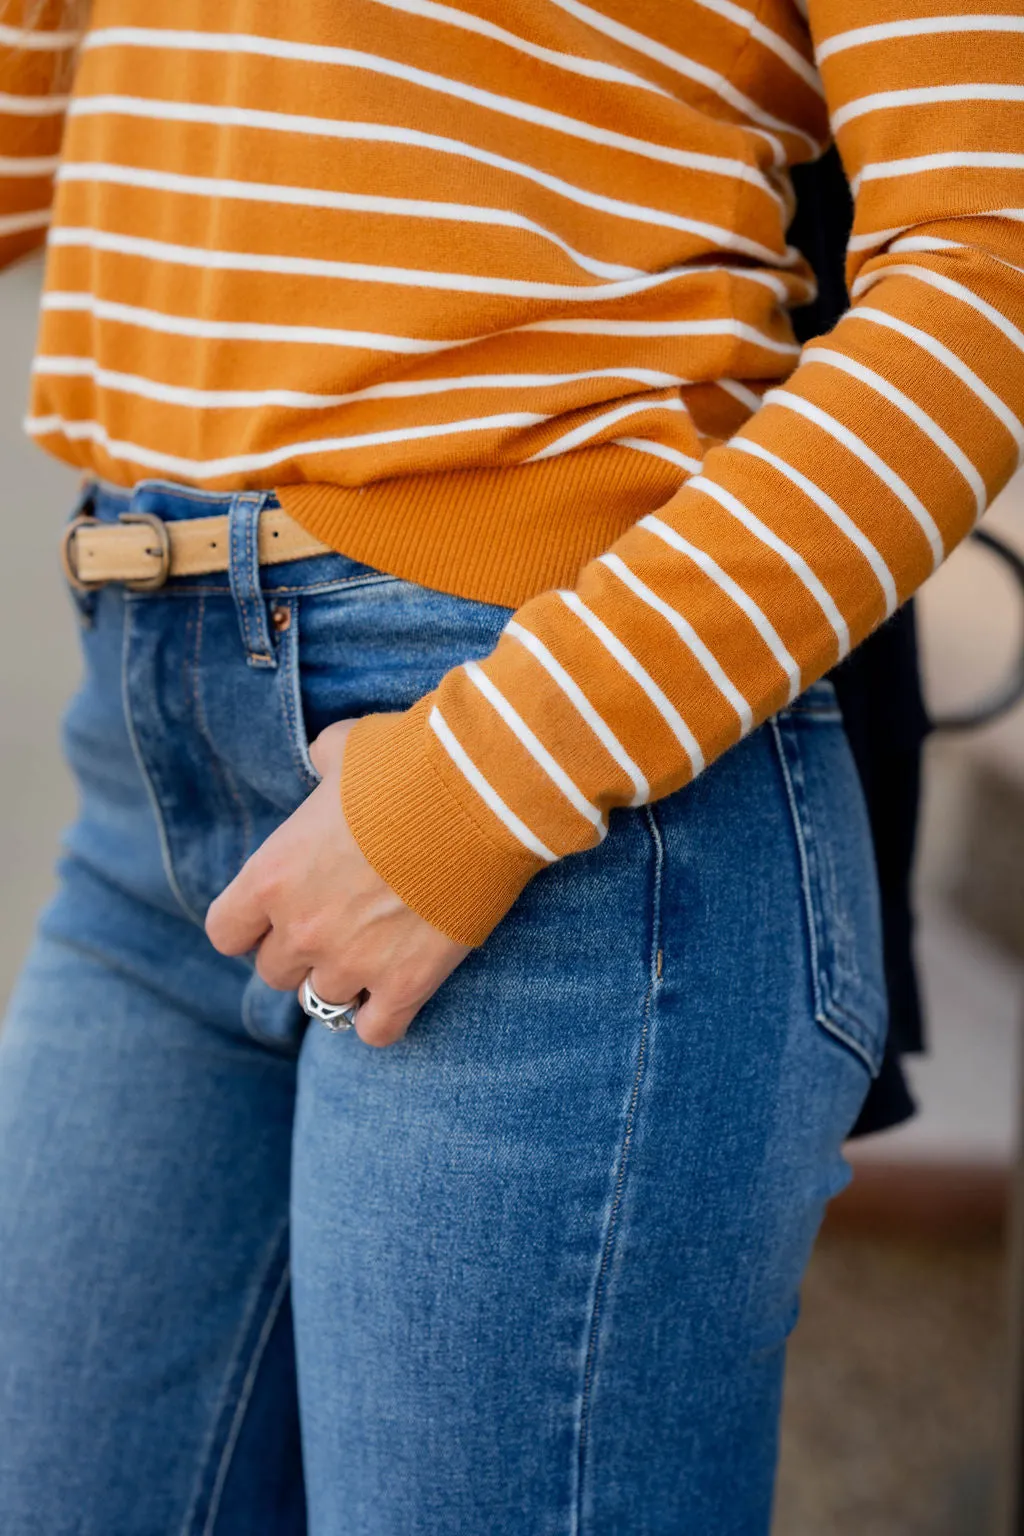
<point>417,831</point>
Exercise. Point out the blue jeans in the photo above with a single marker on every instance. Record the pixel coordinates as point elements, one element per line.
<point>529,1272</point>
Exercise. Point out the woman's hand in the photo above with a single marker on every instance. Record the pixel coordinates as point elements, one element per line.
<point>314,906</point>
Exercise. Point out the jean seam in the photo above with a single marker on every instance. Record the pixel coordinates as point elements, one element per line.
<point>622,1165</point>
<point>201,1515</point>
<point>244,1399</point>
<point>828,1015</point>
<point>291,694</point>
<point>805,868</point>
<point>154,800</point>
<point>219,766</point>
<point>117,968</point>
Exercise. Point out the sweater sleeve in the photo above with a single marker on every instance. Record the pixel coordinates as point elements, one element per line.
<point>803,532</point>
<point>37,54</point>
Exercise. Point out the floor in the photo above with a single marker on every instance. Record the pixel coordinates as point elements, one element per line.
<point>895,1397</point>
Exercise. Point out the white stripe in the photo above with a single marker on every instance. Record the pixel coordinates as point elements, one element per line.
<point>1006,213</point>
<point>875,237</point>
<point>664,328</point>
<point>690,70</point>
<point>593,69</point>
<point>943,354</point>
<point>20,223</point>
<point>768,39</point>
<point>660,451</point>
<point>588,429</point>
<point>32,106</point>
<point>933,243</point>
<point>211,469</point>
<point>687,634</point>
<point>348,202</point>
<point>535,747</point>
<point>750,274</point>
<point>235,43</point>
<point>922,96</point>
<point>230,330</point>
<point>28,165</point>
<point>832,510</point>
<point>216,399</point>
<point>945,285</point>
<point>385,133</point>
<point>888,476</point>
<point>471,773</point>
<point>206,258</point>
<point>931,429</point>
<point>185,325</point>
<point>175,394</point>
<point>797,564</point>
<point>925,26</point>
<point>44,42</point>
<point>948,160</point>
<point>760,620</point>
<point>740,392</point>
<point>574,693</point>
<point>629,664</point>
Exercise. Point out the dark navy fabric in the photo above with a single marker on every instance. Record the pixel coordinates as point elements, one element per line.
<point>878,686</point>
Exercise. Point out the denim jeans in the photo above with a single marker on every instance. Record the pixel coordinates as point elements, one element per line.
<point>529,1272</point>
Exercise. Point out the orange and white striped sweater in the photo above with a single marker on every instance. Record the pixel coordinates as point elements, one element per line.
<point>494,293</point>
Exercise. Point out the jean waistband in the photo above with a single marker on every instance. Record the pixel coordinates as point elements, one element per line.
<point>165,499</point>
<point>174,503</point>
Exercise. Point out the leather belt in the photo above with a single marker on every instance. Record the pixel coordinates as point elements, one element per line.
<point>141,550</point>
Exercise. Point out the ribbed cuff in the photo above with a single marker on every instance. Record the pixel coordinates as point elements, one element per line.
<point>418,835</point>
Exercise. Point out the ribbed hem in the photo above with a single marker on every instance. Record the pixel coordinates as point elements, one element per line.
<point>419,838</point>
<point>496,535</point>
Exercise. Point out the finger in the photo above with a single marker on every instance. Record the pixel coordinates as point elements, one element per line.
<point>333,985</point>
<point>278,964</point>
<point>238,919</point>
<point>381,1021</point>
<point>327,751</point>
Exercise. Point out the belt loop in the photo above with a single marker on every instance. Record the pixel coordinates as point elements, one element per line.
<point>244,575</point>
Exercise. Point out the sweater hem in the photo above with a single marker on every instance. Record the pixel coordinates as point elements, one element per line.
<point>495,535</point>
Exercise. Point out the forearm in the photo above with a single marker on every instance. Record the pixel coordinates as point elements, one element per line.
<point>804,531</point>
<point>37,50</point>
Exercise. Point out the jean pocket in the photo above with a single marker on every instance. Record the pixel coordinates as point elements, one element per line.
<point>372,646</point>
<point>838,873</point>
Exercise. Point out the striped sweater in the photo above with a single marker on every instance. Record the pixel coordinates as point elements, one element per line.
<point>494,294</point>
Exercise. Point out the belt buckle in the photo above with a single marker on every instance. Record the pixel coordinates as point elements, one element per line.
<point>67,558</point>
<point>145,583</point>
<point>163,550</point>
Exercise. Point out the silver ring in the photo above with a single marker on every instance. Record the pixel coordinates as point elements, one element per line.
<point>334,1016</point>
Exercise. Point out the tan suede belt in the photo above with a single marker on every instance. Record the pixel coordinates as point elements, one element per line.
<point>142,551</point>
